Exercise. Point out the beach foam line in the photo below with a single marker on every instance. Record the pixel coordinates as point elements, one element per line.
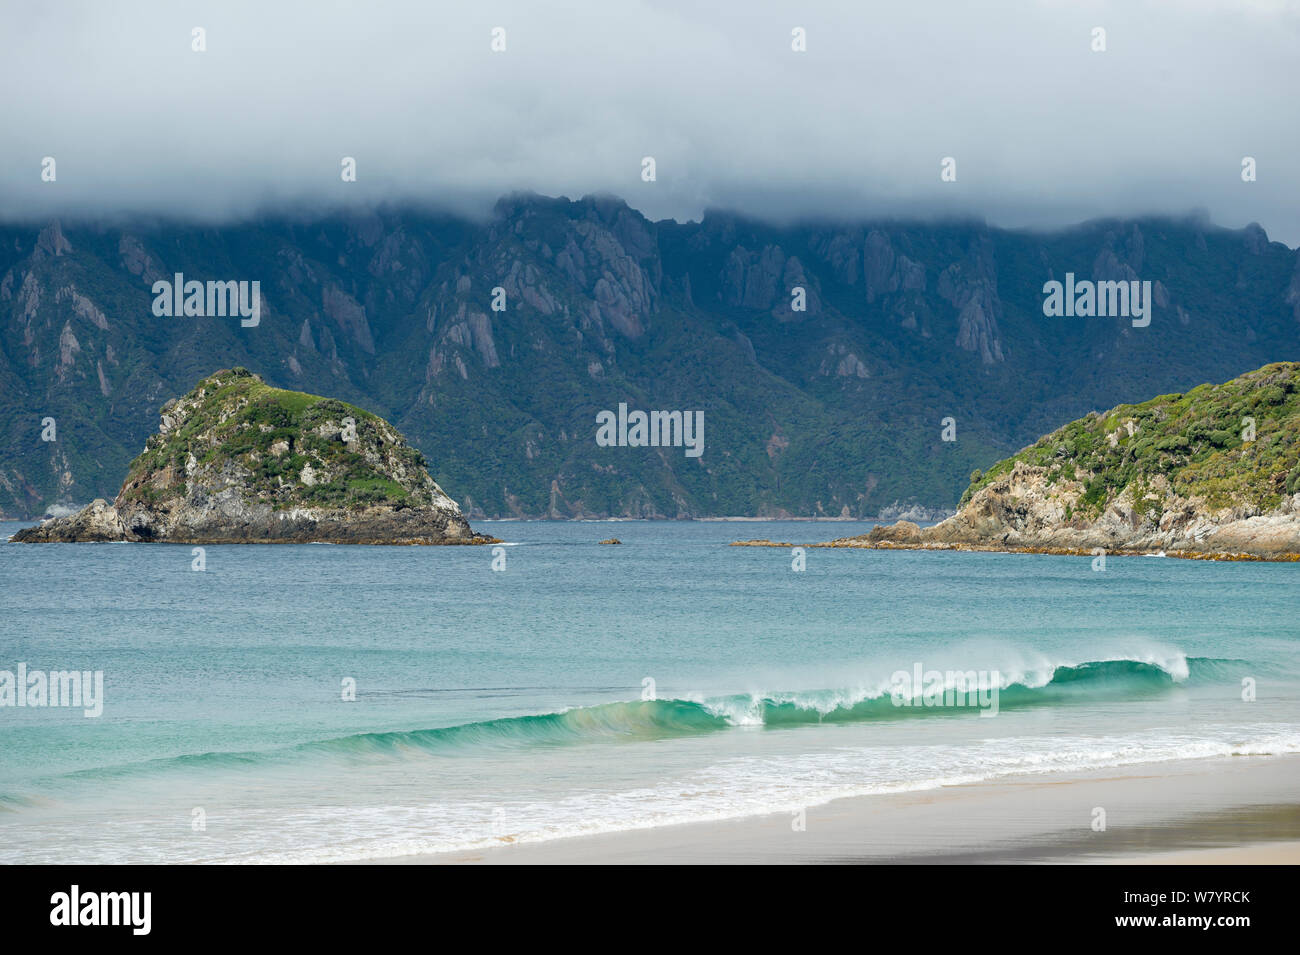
<point>748,797</point>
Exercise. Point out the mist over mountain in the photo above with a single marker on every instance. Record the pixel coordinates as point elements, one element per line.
<point>834,410</point>
<point>1054,113</point>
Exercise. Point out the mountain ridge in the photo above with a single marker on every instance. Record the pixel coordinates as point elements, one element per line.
<point>836,411</point>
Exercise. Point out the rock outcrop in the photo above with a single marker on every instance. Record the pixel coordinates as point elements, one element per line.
<point>236,461</point>
<point>1212,473</point>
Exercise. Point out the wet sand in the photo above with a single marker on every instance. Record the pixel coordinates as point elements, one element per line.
<point>1243,809</point>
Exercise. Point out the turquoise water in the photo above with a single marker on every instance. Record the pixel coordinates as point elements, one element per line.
<point>514,705</point>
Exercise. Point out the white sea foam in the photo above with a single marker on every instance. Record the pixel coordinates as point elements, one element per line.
<point>738,788</point>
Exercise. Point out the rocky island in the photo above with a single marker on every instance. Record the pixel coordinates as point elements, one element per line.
<point>1213,473</point>
<point>237,461</point>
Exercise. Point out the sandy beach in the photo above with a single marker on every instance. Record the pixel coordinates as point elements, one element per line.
<point>1234,810</point>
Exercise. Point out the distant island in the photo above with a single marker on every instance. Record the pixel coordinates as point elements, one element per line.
<point>237,461</point>
<point>1214,473</point>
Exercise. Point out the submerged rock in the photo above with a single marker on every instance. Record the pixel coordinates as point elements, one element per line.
<point>237,461</point>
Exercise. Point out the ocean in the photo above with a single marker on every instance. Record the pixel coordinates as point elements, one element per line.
<point>590,688</point>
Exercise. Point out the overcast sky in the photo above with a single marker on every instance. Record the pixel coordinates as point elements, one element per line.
<point>1044,130</point>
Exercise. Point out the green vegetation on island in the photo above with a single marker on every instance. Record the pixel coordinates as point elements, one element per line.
<point>237,461</point>
<point>278,437</point>
<point>1237,443</point>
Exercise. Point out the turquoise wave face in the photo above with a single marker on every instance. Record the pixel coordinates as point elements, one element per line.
<point>645,720</point>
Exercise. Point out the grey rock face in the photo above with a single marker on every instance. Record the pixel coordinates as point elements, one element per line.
<point>224,518</point>
<point>51,242</point>
<point>878,265</point>
<point>753,280</point>
<point>1025,511</point>
<point>971,287</point>
<point>348,314</point>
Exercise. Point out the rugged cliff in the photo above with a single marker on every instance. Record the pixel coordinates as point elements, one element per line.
<point>236,461</point>
<point>493,343</point>
<point>1214,472</point>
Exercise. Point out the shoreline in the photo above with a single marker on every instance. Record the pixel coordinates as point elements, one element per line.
<point>850,543</point>
<point>726,519</point>
<point>1238,809</point>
